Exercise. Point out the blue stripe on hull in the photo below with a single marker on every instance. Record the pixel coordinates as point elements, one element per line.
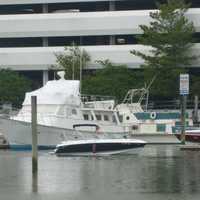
<point>28,147</point>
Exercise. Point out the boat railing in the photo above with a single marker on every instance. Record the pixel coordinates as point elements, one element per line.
<point>98,131</point>
<point>43,118</point>
<point>88,98</point>
<point>98,102</point>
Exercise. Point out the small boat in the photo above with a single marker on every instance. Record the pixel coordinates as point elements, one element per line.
<point>191,135</point>
<point>98,147</point>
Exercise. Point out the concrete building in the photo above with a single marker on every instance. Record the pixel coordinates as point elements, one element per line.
<point>32,31</point>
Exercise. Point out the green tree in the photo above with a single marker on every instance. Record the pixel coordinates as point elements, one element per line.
<point>13,87</point>
<point>170,37</point>
<point>112,80</point>
<point>71,60</point>
<point>194,85</point>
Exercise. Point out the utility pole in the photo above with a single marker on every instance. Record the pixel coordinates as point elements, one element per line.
<point>81,68</point>
<point>195,113</point>
<point>73,60</point>
<point>183,114</point>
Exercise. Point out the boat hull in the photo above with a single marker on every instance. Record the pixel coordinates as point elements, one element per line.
<point>98,147</point>
<point>190,137</point>
<point>19,135</point>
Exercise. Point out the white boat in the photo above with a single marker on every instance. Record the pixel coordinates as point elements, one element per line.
<point>60,106</point>
<point>98,147</point>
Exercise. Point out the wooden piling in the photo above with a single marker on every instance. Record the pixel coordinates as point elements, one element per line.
<point>183,114</point>
<point>191,147</point>
<point>34,134</point>
<point>196,103</point>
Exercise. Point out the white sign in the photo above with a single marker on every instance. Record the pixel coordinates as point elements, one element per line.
<point>184,84</point>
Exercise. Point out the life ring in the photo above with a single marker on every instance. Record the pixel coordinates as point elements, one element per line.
<point>153,115</point>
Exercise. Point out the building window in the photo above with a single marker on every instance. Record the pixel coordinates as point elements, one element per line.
<point>95,40</point>
<point>64,41</point>
<point>126,39</point>
<point>196,37</point>
<point>78,40</point>
<point>20,42</point>
<point>81,7</point>
<point>135,5</point>
<point>20,9</point>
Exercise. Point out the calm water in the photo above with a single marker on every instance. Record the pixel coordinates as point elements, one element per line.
<point>157,172</point>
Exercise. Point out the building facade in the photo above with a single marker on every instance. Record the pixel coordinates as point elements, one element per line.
<point>33,31</point>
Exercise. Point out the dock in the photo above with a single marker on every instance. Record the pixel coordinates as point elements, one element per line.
<point>190,147</point>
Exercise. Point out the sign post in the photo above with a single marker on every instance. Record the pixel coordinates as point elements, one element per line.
<point>34,134</point>
<point>184,91</point>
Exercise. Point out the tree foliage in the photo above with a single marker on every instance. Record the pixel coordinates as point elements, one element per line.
<point>13,87</point>
<point>170,36</point>
<point>112,80</point>
<point>71,60</point>
<point>195,85</point>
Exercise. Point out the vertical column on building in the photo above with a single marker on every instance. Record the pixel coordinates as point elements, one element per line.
<point>45,39</point>
<point>45,44</point>
<point>112,8</point>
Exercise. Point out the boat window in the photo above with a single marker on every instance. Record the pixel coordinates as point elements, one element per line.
<point>68,112</point>
<point>98,117</point>
<point>74,112</point>
<point>61,111</point>
<point>120,117</point>
<point>106,118</point>
<point>114,119</point>
<point>86,117</point>
<point>127,118</point>
<point>134,127</point>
